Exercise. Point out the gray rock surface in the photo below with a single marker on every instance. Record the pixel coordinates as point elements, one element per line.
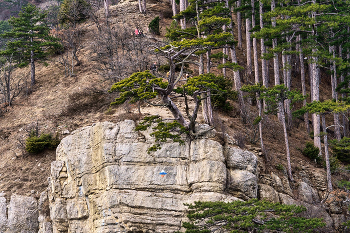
<point>104,180</point>
<point>22,214</point>
<point>308,193</point>
<point>268,193</point>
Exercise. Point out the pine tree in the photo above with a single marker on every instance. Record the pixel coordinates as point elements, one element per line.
<point>31,39</point>
<point>210,19</point>
<point>324,108</point>
<point>313,22</point>
<point>4,27</point>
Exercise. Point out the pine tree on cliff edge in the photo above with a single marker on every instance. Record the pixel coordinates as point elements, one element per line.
<point>31,39</point>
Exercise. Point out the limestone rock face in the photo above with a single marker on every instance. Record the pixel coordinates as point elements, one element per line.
<point>268,193</point>
<point>307,193</point>
<point>19,215</point>
<point>105,181</point>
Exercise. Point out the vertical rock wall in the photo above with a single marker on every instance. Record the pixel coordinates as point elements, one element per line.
<point>19,215</point>
<point>105,181</point>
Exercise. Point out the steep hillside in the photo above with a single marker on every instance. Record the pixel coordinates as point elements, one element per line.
<point>62,104</point>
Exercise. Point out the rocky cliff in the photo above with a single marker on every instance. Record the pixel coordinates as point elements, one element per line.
<point>104,180</point>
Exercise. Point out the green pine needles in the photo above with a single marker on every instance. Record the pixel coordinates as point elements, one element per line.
<point>312,152</point>
<point>250,216</point>
<point>73,11</point>
<point>36,144</point>
<point>154,26</point>
<point>341,149</point>
<point>162,131</point>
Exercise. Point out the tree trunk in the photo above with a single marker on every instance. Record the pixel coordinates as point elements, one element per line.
<point>239,26</point>
<point>144,6</point>
<point>32,70</point>
<point>224,51</point>
<point>311,80</point>
<point>208,60</point>
<point>303,85</point>
<point>289,167</point>
<point>182,8</point>
<point>140,6</point>
<point>174,110</point>
<point>204,101</point>
<point>276,68</point>
<point>249,51</point>
<point>256,78</point>
<point>106,6</point>
<point>345,122</point>
<point>173,6</point>
<point>315,88</point>
<point>237,80</point>
<point>316,97</point>
<point>210,110</point>
<point>255,47</point>
<point>334,93</point>
<point>328,166</point>
<point>287,76</point>
<point>265,78</point>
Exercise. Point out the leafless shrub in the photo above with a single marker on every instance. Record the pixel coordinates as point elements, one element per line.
<point>10,85</point>
<point>129,116</point>
<point>120,52</point>
<point>271,128</point>
<point>240,139</point>
<point>90,98</point>
<point>71,41</point>
<point>251,129</point>
<point>166,14</point>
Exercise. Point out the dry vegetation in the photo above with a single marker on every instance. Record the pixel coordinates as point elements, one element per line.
<point>59,103</point>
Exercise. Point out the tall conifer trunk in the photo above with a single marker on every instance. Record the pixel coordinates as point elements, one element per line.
<point>255,47</point>
<point>239,26</point>
<point>237,79</point>
<point>32,65</point>
<point>224,51</point>
<point>174,8</point>
<point>249,50</point>
<point>256,78</point>
<point>316,97</point>
<point>345,121</point>
<point>315,89</point>
<point>303,84</point>
<point>334,93</point>
<point>328,165</point>
<point>182,8</point>
<point>106,7</point>
<point>276,68</point>
<point>283,121</point>
<point>265,78</point>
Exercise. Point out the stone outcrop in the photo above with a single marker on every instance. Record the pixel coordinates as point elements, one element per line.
<point>104,180</point>
<point>19,215</point>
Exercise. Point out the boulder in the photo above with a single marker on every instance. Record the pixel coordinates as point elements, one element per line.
<point>243,183</point>
<point>308,194</point>
<point>268,193</point>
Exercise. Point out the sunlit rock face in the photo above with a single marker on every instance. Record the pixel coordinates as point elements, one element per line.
<point>104,180</point>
